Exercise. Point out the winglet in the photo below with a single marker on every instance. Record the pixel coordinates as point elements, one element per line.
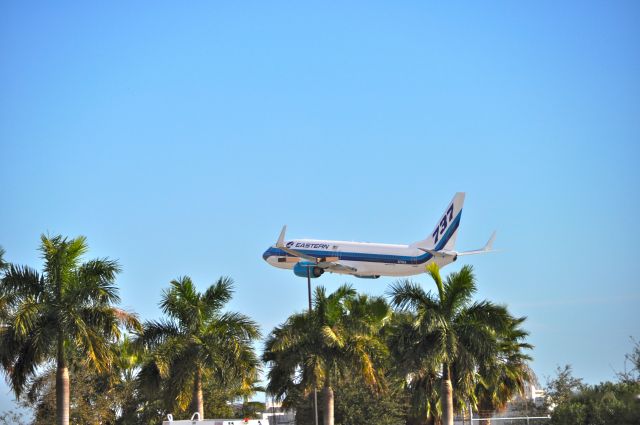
<point>488,247</point>
<point>489,244</point>
<point>280,242</point>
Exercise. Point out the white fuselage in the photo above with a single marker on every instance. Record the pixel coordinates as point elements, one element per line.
<point>369,259</point>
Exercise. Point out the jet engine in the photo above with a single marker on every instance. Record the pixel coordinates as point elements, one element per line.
<point>301,267</point>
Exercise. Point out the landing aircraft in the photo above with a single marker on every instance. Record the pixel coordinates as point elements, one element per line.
<point>311,257</point>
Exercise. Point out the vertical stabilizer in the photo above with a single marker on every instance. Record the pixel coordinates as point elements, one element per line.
<point>443,237</point>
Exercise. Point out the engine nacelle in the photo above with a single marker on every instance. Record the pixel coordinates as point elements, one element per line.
<point>301,267</point>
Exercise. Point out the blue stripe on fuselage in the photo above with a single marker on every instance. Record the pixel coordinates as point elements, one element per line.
<point>375,258</point>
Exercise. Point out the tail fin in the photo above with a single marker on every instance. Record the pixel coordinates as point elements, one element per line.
<point>444,235</point>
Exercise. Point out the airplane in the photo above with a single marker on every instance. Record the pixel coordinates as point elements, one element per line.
<point>311,257</point>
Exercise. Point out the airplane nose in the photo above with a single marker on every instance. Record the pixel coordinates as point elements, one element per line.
<point>265,255</point>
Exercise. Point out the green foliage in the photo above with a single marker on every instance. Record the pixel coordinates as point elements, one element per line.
<point>575,403</point>
<point>324,347</point>
<point>319,347</point>
<point>506,374</point>
<point>198,344</point>
<point>3,263</point>
<point>93,400</point>
<point>447,335</point>
<point>249,409</point>
<point>418,374</point>
<point>561,388</point>
<point>95,397</point>
<point>5,299</point>
<point>357,404</point>
<point>67,308</point>
<point>218,397</point>
<point>603,404</point>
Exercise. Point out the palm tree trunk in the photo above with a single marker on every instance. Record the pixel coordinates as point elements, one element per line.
<point>485,410</point>
<point>62,386</point>
<point>328,405</point>
<point>446,399</point>
<point>198,399</point>
<point>487,416</point>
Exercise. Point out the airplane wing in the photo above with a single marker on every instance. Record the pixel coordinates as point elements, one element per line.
<point>328,263</point>
<point>338,268</point>
<point>298,254</point>
<point>280,245</point>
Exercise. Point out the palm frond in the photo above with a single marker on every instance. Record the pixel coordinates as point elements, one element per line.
<point>486,313</point>
<point>343,292</point>
<point>293,336</point>
<point>181,301</point>
<point>333,336</point>
<point>156,332</point>
<point>3,263</point>
<point>25,316</point>
<point>406,294</point>
<point>149,378</point>
<point>434,271</point>
<point>61,256</point>
<point>320,301</point>
<point>458,289</point>
<point>235,326</point>
<point>476,339</point>
<point>22,281</point>
<point>93,282</point>
<point>28,356</point>
<point>129,320</point>
<point>87,329</point>
<point>218,294</point>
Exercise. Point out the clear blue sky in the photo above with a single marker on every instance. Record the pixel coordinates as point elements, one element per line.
<point>180,137</point>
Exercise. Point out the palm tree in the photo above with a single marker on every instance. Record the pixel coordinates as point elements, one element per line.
<point>316,349</point>
<point>4,299</point>
<point>449,328</point>
<point>67,307</point>
<point>122,381</point>
<point>3,264</point>
<point>107,397</point>
<point>418,373</point>
<point>197,342</point>
<point>506,374</point>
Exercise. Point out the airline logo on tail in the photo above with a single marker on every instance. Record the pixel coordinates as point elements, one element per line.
<point>442,227</point>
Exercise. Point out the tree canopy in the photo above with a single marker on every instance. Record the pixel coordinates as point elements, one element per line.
<point>197,343</point>
<point>70,306</point>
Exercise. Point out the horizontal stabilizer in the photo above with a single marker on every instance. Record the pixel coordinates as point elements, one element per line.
<point>439,254</point>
